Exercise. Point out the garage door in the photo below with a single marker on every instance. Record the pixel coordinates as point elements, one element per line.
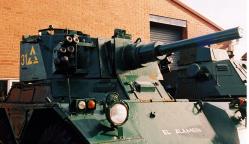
<point>165,33</point>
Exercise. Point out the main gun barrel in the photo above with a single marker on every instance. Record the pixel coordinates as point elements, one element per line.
<point>137,54</point>
<point>226,35</point>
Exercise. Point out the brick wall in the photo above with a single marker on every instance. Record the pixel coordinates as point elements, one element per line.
<point>95,17</point>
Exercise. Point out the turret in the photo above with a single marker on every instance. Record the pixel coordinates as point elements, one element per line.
<point>56,53</point>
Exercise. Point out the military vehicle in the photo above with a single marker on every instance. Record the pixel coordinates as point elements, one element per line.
<point>204,73</point>
<point>77,89</point>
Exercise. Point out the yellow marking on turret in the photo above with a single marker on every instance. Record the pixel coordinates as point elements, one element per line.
<point>29,58</point>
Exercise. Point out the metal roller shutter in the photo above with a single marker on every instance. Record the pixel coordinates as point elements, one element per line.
<point>165,33</point>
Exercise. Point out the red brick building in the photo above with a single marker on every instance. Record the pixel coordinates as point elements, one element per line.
<point>95,17</point>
